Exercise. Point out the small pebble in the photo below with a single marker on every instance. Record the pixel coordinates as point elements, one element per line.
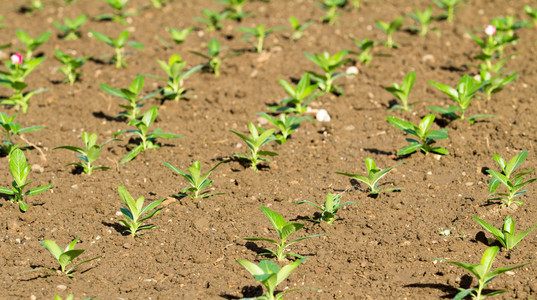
<point>61,287</point>
<point>37,168</point>
<point>126,245</point>
<point>323,116</point>
<point>352,70</point>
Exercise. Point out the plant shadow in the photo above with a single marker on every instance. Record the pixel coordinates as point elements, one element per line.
<point>102,115</point>
<point>378,152</point>
<point>249,291</point>
<point>117,227</point>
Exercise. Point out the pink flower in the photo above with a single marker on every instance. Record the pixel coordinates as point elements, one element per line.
<point>16,59</point>
<point>490,30</point>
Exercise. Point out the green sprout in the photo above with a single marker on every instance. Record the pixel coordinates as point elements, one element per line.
<point>514,183</point>
<point>506,236</point>
<point>425,136</point>
<point>135,210</point>
<point>235,7</point>
<point>298,29</point>
<point>402,92</point>
<point>215,60</point>
<point>31,44</point>
<point>118,44</point>
<point>494,84</point>
<point>390,29</point>
<point>178,35</point>
<point>19,170</point>
<point>300,97</point>
<point>450,7</point>
<point>329,208</point>
<point>492,47</point>
<point>70,65</point>
<point>507,25</point>
<point>198,181</point>
<point>483,273</point>
<point>373,176</point>
<point>119,15</point>
<point>259,33</point>
<point>331,6</point>
<point>532,13</point>
<point>148,140</point>
<point>254,142</point>
<point>329,64</point>
<point>88,155</point>
<point>365,46</point>
<point>213,19</point>
<point>11,129</point>
<point>424,18</point>
<point>70,31</point>
<point>174,82</point>
<point>285,123</point>
<point>158,4</point>
<point>284,230</point>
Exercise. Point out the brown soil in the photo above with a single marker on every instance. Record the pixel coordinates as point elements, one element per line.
<point>381,249</point>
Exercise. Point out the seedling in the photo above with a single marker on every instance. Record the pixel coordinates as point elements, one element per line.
<point>88,155</point>
<point>300,97</point>
<point>425,136</point>
<point>284,230</point>
<point>19,170</point>
<point>285,123</point>
<point>331,6</point>
<point>494,84</point>
<point>492,47</point>
<point>373,176</point>
<point>148,140</point>
<point>118,44</point>
<point>532,13</point>
<point>402,92</point>
<point>31,44</point>
<point>213,19</point>
<point>506,236</point>
<point>514,183</point>
<point>254,142</point>
<point>174,82</point>
<point>483,273</point>
<point>450,7</point>
<point>259,33</point>
<point>215,61</point>
<point>462,95</point>
<point>135,210</point>
<point>69,297</point>
<point>424,18</point>
<point>390,29</point>
<point>507,25</point>
<point>70,31</point>
<point>158,4</point>
<point>270,275</point>
<point>329,64</point>
<point>11,129</point>
<point>197,181</point>
<point>119,15</point>
<point>131,95</point>
<point>64,257</point>
<point>70,65</point>
<point>365,46</point>
<point>298,29</point>
<point>235,7</point>
<point>329,208</point>
<point>179,36</point>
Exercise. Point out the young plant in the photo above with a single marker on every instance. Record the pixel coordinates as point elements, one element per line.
<point>462,95</point>
<point>70,65</point>
<point>215,61</point>
<point>365,46</point>
<point>158,4</point>
<point>135,210</point>
<point>402,92</point>
<point>506,236</point>
<point>425,136</point>
<point>197,180</point>
<point>270,275</point>
<point>298,29</point>
<point>450,7</point>
<point>532,13</point>
<point>390,29</point>
<point>284,230</point>
<point>118,44</point>
<point>483,273</point>
<point>179,36</point>
<point>131,95</point>
<point>300,97</point>
<point>494,84</point>
<point>88,155</point>
<point>70,31</point>
<point>19,170</point>
<point>64,257</point>
<point>513,182</point>
<point>235,7</point>
<point>331,6</point>
<point>148,140</point>
<point>329,208</point>
<point>213,19</point>
<point>373,176</point>
<point>329,64</point>
<point>259,32</point>
<point>285,123</point>
<point>492,47</point>
<point>11,129</point>
<point>424,18</point>
<point>31,44</point>
<point>119,15</point>
<point>507,25</point>
<point>254,143</point>
<point>174,82</point>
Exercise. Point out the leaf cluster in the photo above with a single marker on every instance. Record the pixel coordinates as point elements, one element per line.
<point>300,97</point>
<point>402,92</point>
<point>254,143</point>
<point>329,208</point>
<point>135,211</point>
<point>425,136</point>
<point>70,31</point>
<point>30,43</point>
<point>285,123</point>
<point>11,129</point>
<point>373,176</point>
<point>329,64</point>
<point>70,65</point>
<point>198,181</point>
<point>65,257</point>
<point>118,44</point>
<point>175,76</point>
<point>506,236</point>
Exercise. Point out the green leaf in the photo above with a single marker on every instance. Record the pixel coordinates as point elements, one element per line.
<point>53,248</point>
<point>497,233</point>
<point>6,191</point>
<point>38,190</point>
<point>129,201</point>
<point>515,162</point>
<point>132,154</point>
<point>275,219</point>
<point>288,269</point>
<point>18,166</point>
<point>68,256</point>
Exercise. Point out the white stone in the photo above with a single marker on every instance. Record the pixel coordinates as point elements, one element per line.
<point>322,116</point>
